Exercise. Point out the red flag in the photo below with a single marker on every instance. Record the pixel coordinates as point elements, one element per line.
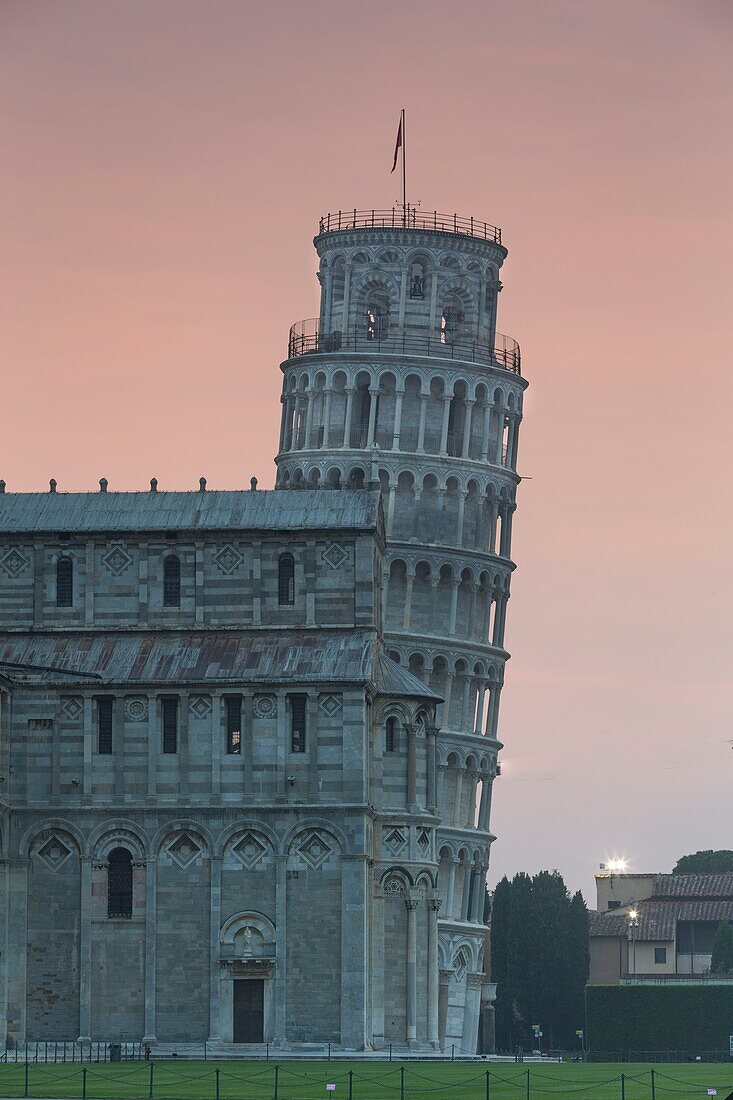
<point>398,145</point>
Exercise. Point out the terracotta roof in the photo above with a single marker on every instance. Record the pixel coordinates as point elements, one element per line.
<point>694,886</point>
<point>209,657</point>
<point>213,510</point>
<point>658,918</point>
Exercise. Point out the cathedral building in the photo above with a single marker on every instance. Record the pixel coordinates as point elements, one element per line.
<point>248,738</point>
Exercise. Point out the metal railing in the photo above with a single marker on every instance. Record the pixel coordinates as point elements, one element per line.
<point>306,338</point>
<point>411,218</point>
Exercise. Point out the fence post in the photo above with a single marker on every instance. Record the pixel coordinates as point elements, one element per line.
<point>402,1083</point>
<point>488,1084</point>
<point>267,1052</point>
<point>623,1086</point>
<point>150,1087</point>
<point>277,1069</point>
<point>452,1051</point>
<point>527,1084</point>
<point>25,1078</point>
<point>84,1083</point>
<point>351,1083</point>
<point>217,1083</point>
<point>390,1052</point>
<point>329,1052</point>
<point>654,1088</point>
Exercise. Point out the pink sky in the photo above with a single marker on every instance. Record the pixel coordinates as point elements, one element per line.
<point>164,163</point>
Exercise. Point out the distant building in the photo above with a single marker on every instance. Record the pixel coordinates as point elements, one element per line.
<point>655,927</point>
<point>248,739</point>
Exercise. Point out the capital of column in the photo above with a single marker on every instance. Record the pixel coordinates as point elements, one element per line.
<point>474,980</point>
<point>434,904</point>
<point>410,904</point>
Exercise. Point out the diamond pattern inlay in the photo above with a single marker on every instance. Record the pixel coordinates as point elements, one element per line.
<point>335,555</point>
<point>54,852</point>
<point>184,850</point>
<point>228,559</point>
<point>13,562</point>
<point>249,850</point>
<point>72,708</point>
<point>117,560</point>
<point>200,706</point>
<point>314,851</point>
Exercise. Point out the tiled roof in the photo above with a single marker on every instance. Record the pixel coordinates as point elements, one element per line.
<point>694,886</point>
<point>658,919</point>
<point>208,657</point>
<point>213,510</point>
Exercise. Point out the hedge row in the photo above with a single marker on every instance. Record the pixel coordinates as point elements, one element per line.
<point>658,1017</point>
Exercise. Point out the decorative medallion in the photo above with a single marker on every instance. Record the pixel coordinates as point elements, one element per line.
<point>330,705</point>
<point>396,841</point>
<point>117,560</point>
<point>228,559</point>
<point>394,888</point>
<point>184,850</point>
<point>136,710</point>
<point>314,850</point>
<point>265,706</point>
<point>14,563</point>
<point>54,853</point>
<point>335,555</point>
<point>199,705</point>
<point>72,707</point>
<point>250,850</point>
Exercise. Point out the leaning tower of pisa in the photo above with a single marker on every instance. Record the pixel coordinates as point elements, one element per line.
<point>403,383</point>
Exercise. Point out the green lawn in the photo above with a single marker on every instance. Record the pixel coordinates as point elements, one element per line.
<point>370,1080</point>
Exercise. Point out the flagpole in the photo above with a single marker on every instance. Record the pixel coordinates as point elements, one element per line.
<point>404,179</point>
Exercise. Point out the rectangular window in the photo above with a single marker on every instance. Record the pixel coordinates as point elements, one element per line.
<point>170,725</point>
<point>297,722</point>
<point>234,724</point>
<point>104,725</point>
<point>660,955</point>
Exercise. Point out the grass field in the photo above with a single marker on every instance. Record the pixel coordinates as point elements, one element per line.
<point>307,1080</point>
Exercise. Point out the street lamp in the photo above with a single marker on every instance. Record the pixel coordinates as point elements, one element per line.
<point>633,925</point>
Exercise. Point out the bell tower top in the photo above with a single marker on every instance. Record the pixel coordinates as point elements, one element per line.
<point>411,281</point>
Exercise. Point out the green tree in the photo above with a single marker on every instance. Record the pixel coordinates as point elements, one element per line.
<point>710,861</point>
<point>578,968</point>
<point>547,954</point>
<point>722,958</point>
<point>500,934</point>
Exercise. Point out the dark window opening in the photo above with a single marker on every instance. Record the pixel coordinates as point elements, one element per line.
<point>170,725</point>
<point>172,582</point>
<point>64,582</point>
<point>234,725</point>
<point>104,725</point>
<point>660,954</point>
<point>297,722</point>
<point>286,580</point>
<point>119,883</point>
<point>390,735</point>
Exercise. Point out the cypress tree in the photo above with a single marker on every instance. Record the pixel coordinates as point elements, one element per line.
<point>722,958</point>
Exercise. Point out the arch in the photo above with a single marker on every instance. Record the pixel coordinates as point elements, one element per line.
<point>124,834</point>
<point>240,829</point>
<point>60,825</point>
<point>250,919</point>
<point>182,825</point>
<point>307,825</point>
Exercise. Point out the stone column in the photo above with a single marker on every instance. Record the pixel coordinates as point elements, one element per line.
<point>467,428</point>
<point>447,398</point>
<point>464,703</point>
<point>409,581</point>
<point>403,298</point>
<point>488,1037</point>
<point>471,805</point>
<point>183,744</point>
<point>85,955</point>
<point>480,695</point>
<point>431,801</point>
<point>465,899</point>
<point>377,954</point>
<point>433,995</point>
<point>280,949</point>
<point>88,749</point>
<point>150,944</point>
<point>494,714</point>
<point>433,303</point>
<point>442,769</point>
<point>479,891</point>
<point>246,746</point>
<point>214,932</point>
<point>498,453</point>
<point>390,509</point>
<point>312,744</point>
<point>471,1014</point>
<point>444,979</point>
<point>434,582</point>
<point>446,701</point>
<point>471,626</point>
<point>451,900</point>
<point>373,397</point>
<point>411,732</point>
<point>327,300</point>
<point>493,520</point>
<point>400,393</point>
<point>411,904</point>
<point>480,328</point>
<point>283,420</point>
<point>421,428</point>
<point>461,513</point>
<point>484,804</point>
<point>327,418</point>
<point>347,294</point>
<point>347,418</point>
<point>415,514</point>
<point>310,408</point>
<point>457,823</point>
<point>455,585</point>
<point>118,746</point>
<point>487,427</point>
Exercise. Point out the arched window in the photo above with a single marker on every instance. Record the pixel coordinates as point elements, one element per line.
<point>172,582</point>
<point>390,735</point>
<point>451,322</point>
<point>119,883</point>
<point>286,580</point>
<point>417,281</point>
<point>64,582</point>
<point>377,318</point>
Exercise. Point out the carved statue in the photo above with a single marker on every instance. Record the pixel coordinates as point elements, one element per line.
<point>247,941</point>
